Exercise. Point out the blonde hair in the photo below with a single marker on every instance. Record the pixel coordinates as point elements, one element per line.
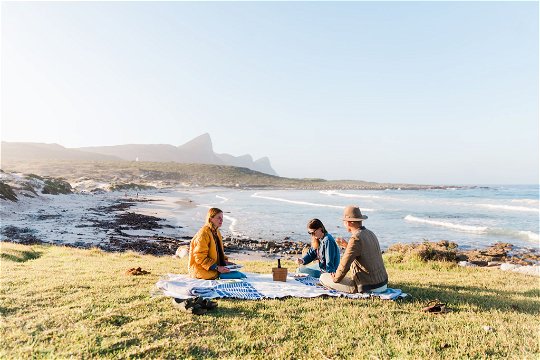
<point>211,213</point>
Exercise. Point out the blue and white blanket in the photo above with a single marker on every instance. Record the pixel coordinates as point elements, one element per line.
<point>257,286</point>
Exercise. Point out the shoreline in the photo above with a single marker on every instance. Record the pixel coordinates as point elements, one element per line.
<point>124,230</point>
<point>498,256</point>
<point>124,235</point>
<point>106,220</point>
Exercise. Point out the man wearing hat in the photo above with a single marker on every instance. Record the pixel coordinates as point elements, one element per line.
<point>362,257</point>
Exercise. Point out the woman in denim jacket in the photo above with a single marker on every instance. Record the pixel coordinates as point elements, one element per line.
<point>323,248</point>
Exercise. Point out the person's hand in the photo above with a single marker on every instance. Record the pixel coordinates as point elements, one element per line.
<point>341,242</point>
<point>222,269</point>
<point>300,261</point>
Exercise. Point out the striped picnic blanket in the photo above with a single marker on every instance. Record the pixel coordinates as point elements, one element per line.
<point>255,287</point>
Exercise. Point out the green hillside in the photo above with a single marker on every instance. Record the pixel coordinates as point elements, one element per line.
<point>172,173</point>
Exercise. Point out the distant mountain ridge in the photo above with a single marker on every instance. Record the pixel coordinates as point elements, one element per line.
<point>15,151</point>
<point>197,151</point>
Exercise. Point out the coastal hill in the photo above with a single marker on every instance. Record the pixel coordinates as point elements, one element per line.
<point>122,173</point>
<point>196,151</point>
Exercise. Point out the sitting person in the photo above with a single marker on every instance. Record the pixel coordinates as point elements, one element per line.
<point>323,248</point>
<point>207,258</point>
<point>362,257</point>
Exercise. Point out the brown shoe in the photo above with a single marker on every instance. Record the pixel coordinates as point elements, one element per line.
<point>137,271</point>
<point>208,304</point>
<point>198,310</point>
<point>189,305</point>
<point>436,307</point>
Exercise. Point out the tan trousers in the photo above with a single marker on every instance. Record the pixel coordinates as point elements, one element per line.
<point>345,285</point>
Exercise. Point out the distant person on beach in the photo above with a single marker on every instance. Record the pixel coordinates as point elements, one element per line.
<point>207,258</point>
<point>323,248</point>
<point>361,268</point>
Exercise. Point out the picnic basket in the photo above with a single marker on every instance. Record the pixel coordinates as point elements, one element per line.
<point>279,273</point>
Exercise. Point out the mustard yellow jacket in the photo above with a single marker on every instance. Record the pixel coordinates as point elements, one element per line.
<point>203,254</point>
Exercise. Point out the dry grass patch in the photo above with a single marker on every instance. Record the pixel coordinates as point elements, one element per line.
<point>426,251</point>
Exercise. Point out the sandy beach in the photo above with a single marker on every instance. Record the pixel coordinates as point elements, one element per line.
<point>115,221</point>
<point>145,223</point>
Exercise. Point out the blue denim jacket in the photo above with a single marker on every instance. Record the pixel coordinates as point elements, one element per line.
<point>329,254</point>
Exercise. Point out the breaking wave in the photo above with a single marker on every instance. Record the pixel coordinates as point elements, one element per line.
<point>232,226</point>
<point>337,193</point>
<point>256,195</point>
<point>449,225</point>
<point>484,230</point>
<point>222,198</point>
<point>526,201</point>
<point>509,207</point>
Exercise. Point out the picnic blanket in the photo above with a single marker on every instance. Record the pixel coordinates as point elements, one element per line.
<point>255,287</point>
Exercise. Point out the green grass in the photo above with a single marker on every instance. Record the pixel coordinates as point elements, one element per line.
<point>56,186</point>
<point>60,302</point>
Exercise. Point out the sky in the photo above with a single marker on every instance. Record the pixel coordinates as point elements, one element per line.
<point>409,92</point>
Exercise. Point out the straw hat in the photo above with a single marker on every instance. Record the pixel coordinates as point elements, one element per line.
<point>353,213</point>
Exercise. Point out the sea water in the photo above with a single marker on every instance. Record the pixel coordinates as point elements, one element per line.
<point>473,217</point>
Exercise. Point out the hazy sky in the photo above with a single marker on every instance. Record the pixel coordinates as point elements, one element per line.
<point>418,92</point>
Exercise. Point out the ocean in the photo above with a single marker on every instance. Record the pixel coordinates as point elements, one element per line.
<point>473,217</point>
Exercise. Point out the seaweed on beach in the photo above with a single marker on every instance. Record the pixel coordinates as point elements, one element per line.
<point>136,221</point>
<point>124,220</point>
<point>130,186</point>
<point>154,245</point>
<point>20,235</point>
<point>285,247</point>
<point>7,193</point>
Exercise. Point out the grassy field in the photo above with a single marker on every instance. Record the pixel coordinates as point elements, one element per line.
<point>59,302</point>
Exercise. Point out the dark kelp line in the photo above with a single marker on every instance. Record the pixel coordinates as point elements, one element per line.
<point>123,220</point>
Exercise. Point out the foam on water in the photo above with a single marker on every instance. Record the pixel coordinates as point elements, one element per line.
<point>232,226</point>
<point>522,234</point>
<point>508,207</point>
<point>256,195</point>
<point>337,193</point>
<point>449,225</point>
<point>529,235</point>
<point>210,205</point>
<point>485,230</point>
<point>526,201</point>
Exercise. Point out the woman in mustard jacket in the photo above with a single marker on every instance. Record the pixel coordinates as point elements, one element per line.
<point>207,258</point>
